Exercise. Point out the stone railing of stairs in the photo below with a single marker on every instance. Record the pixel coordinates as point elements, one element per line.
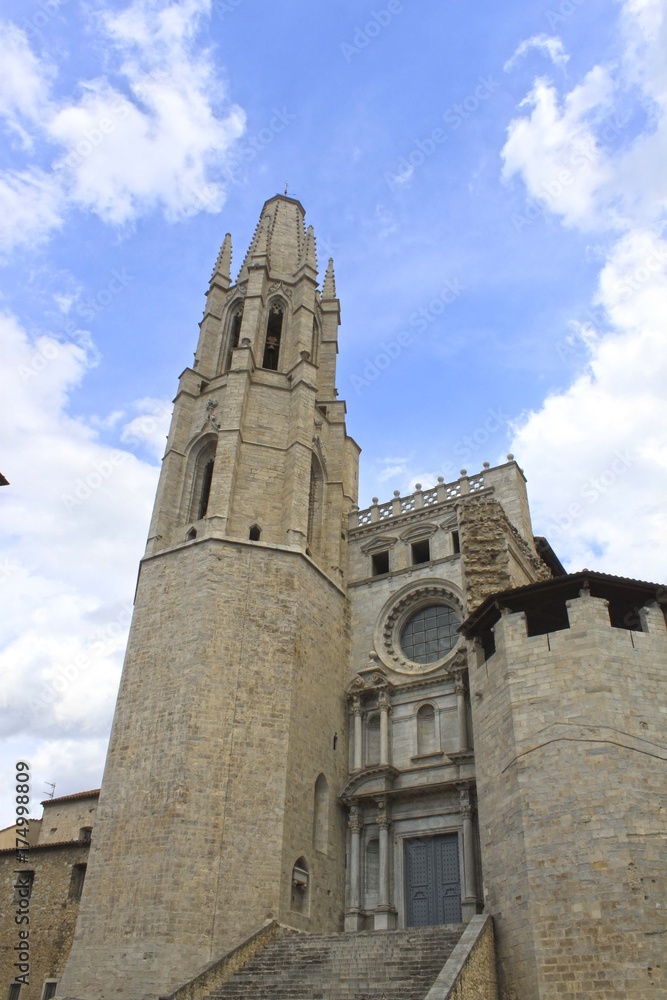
<point>470,970</point>
<point>279,963</point>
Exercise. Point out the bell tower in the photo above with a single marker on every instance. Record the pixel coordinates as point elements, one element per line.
<point>218,806</point>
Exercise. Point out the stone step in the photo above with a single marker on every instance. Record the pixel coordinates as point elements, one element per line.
<point>368,965</point>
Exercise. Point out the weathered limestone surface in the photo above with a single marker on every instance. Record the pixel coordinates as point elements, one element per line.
<point>497,557</point>
<point>226,715</point>
<point>571,758</point>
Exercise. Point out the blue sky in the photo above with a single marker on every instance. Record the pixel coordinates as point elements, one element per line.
<point>489,179</point>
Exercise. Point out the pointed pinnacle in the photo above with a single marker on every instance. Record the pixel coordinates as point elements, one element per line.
<point>261,247</point>
<point>223,264</point>
<point>310,249</point>
<point>329,286</point>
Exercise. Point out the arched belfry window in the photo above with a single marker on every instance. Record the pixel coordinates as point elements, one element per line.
<point>203,478</point>
<point>274,331</point>
<point>427,741</point>
<point>234,334</point>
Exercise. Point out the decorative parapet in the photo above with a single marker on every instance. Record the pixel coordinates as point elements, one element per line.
<point>440,494</point>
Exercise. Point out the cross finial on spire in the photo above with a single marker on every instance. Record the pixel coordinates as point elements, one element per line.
<point>285,188</point>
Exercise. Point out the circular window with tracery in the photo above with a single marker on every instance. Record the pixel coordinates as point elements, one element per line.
<point>420,630</point>
<point>430,633</point>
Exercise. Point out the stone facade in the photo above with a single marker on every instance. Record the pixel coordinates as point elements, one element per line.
<point>324,719</point>
<point>56,867</point>
<point>447,547</point>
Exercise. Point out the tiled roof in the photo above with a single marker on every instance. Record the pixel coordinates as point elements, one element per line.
<point>94,793</point>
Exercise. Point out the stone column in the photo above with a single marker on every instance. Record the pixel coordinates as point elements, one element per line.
<point>469,902</point>
<point>353,912</point>
<point>384,705</point>
<point>385,915</point>
<point>462,714</point>
<point>356,712</point>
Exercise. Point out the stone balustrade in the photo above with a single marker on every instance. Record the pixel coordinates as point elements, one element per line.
<point>442,493</point>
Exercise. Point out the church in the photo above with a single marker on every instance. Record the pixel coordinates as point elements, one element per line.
<point>363,727</point>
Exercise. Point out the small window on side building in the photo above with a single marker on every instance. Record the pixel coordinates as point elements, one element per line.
<point>456,542</point>
<point>76,881</point>
<point>50,989</point>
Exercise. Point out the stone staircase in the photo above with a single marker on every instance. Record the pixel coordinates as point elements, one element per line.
<point>369,965</point>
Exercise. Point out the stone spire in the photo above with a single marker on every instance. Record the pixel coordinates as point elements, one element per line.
<point>329,286</point>
<point>222,270</point>
<point>280,234</point>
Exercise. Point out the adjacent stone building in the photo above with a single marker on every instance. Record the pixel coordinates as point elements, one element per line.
<point>50,878</point>
<point>364,720</point>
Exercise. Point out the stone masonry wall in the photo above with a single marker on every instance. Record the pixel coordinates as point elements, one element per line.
<point>571,759</point>
<point>495,556</point>
<point>52,914</point>
<point>230,697</point>
<point>63,818</point>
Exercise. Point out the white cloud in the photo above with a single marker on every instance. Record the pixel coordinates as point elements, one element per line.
<point>595,452</point>
<point>24,81</point>
<point>31,207</point>
<point>550,45</point>
<point>556,150</point>
<point>154,132</point>
<point>75,504</point>
<point>150,427</point>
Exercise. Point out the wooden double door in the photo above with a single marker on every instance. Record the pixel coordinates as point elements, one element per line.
<point>433,880</point>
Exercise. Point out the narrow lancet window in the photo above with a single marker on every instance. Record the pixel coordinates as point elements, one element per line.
<point>202,479</point>
<point>234,334</point>
<point>205,489</point>
<point>274,329</point>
